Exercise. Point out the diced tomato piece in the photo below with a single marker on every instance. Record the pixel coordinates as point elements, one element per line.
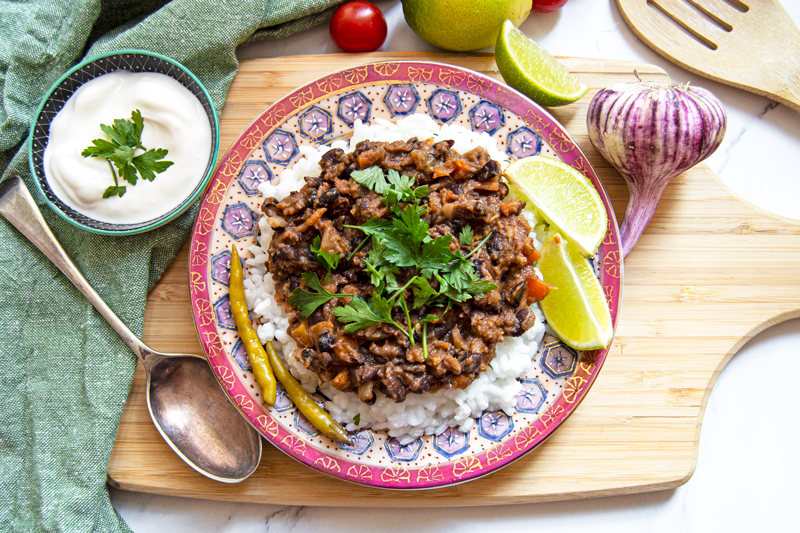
<point>533,257</point>
<point>537,289</point>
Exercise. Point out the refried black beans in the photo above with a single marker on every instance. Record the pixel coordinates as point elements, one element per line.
<point>465,190</point>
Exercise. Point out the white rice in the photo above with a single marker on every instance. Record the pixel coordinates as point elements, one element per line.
<point>419,414</point>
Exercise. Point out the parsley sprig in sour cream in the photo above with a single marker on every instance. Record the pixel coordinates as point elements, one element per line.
<point>126,138</point>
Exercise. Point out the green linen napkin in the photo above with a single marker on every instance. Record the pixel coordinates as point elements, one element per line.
<point>64,374</point>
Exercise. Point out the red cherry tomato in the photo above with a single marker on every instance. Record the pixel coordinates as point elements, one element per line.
<point>358,27</point>
<point>547,6</point>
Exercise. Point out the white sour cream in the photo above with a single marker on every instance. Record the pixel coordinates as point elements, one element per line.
<point>173,119</point>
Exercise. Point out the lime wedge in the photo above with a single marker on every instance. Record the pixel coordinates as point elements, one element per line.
<point>576,309</point>
<point>564,197</point>
<point>533,71</point>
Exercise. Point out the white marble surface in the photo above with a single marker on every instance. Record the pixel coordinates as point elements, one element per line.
<point>746,477</point>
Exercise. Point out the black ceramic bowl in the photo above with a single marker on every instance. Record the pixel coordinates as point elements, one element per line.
<point>63,89</point>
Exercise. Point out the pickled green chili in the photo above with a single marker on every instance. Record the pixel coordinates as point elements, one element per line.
<point>262,370</point>
<point>315,414</point>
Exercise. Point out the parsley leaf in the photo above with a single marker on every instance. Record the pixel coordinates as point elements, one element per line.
<point>128,173</point>
<point>148,164</point>
<point>394,187</point>
<point>400,189</point>
<point>382,307</point>
<point>422,292</point>
<point>102,148</point>
<point>435,256</point>
<point>120,152</point>
<point>466,236</point>
<point>328,260</point>
<point>380,269</point>
<point>358,315</point>
<point>122,156</point>
<point>361,314</point>
<point>371,178</point>
<point>463,283</point>
<point>373,226</point>
<point>409,222</point>
<point>399,248</point>
<point>114,191</point>
<point>138,125</point>
<point>357,419</point>
<point>307,301</point>
<point>479,288</point>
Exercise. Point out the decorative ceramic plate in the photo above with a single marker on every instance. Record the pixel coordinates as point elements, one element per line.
<point>313,114</point>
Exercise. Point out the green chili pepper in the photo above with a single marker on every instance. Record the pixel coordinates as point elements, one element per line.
<point>255,352</point>
<point>315,414</point>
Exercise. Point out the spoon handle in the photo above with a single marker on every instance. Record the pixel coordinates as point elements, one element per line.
<point>17,206</point>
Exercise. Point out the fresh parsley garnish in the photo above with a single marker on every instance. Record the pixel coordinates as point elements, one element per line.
<point>358,315</point>
<point>361,314</point>
<point>357,419</point>
<point>328,260</point>
<point>371,178</point>
<point>120,152</point>
<point>479,246</point>
<point>466,236</point>
<point>308,301</point>
<point>422,292</point>
<point>425,321</point>
<point>394,187</point>
<point>439,276</point>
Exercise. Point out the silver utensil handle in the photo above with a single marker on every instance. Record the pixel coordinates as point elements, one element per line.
<point>18,207</point>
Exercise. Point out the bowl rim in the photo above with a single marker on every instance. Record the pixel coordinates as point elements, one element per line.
<point>158,222</point>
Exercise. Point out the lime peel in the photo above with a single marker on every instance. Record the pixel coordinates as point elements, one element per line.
<point>577,309</point>
<point>463,25</point>
<point>533,71</point>
<point>564,197</point>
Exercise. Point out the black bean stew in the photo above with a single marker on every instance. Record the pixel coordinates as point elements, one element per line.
<point>464,190</point>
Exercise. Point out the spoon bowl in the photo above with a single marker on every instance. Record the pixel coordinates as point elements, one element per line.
<point>187,405</point>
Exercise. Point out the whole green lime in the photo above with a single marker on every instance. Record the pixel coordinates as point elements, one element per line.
<point>463,25</point>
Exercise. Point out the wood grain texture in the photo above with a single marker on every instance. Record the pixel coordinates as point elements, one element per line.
<point>752,45</point>
<point>709,273</point>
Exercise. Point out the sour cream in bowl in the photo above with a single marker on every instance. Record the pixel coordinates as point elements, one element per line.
<point>155,111</point>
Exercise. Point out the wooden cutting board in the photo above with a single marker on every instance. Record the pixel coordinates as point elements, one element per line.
<point>709,273</point>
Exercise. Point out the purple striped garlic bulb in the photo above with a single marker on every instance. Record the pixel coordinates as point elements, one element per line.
<point>651,133</point>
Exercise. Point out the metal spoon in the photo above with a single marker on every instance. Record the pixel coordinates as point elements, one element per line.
<point>186,403</point>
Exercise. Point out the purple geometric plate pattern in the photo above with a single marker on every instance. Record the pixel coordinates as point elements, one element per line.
<point>401,99</point>
<point>523,142</point>
<point>352,107</point>
<point>444,105</point>
<point>315,123</point>
<point>280,146</point>
<point>487,117</point>
<point>451,442</point>
<point>532,396</point>
<point>239,221</point>
<point>253,174</point>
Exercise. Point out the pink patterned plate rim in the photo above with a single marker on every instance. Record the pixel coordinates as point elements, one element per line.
<point>325,109</point>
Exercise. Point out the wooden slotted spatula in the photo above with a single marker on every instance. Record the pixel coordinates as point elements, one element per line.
<point>749,44</point>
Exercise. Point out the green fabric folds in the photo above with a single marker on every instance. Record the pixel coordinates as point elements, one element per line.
<point>64,374</point>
